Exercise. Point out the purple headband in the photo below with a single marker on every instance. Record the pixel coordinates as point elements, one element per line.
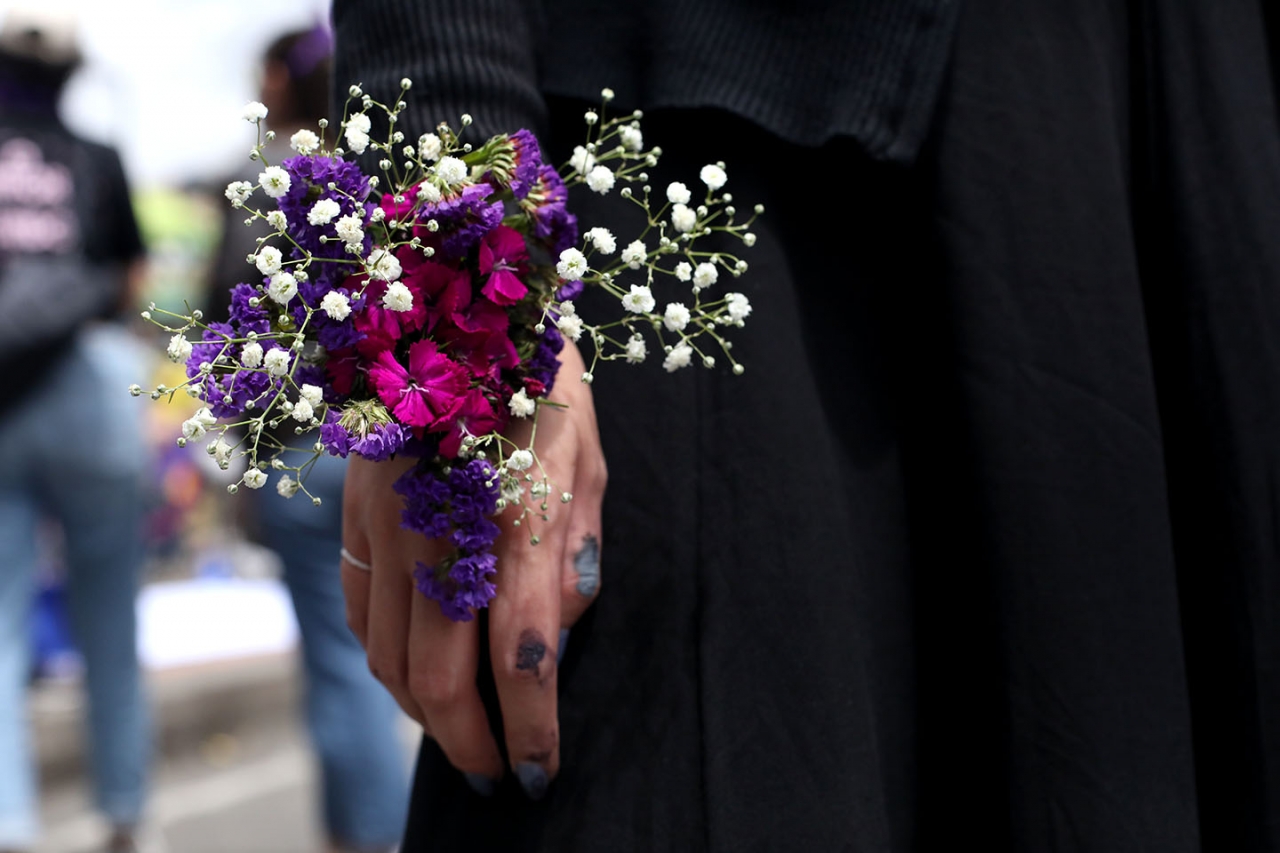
<point>309,51</point>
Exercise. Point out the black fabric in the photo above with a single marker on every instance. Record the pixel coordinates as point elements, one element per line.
<point>67,232</point>
<point>808,71</point>
<point>983,545</point>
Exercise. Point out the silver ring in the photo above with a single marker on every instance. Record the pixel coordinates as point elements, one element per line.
<point>354,560</point>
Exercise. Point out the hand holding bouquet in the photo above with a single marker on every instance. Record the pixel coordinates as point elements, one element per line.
<point>423,313</point>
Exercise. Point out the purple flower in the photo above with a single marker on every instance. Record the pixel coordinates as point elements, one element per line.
<point>381,443</point>
<point>244,317</point>
<point>544,365</point>
<point>547,205</point>
<point>334,436</point>
<point>570,290</point>
<point>464,219</point>
<point>309,179</point>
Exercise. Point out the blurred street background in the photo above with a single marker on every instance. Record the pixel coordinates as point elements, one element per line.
<point>164,83</point>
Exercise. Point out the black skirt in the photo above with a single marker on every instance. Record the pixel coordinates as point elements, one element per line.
<point>984,546</point>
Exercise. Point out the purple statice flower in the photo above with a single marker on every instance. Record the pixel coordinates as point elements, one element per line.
<point>544,365</point>
<point>380,443</point>
<point>547,205</point>
<point>458,507</point>
<point>245,317</point>
<point>334,436</point>
<point>528,160</point>
<point>309,179</point>
<point>464,219</point>
<point>570,290</point>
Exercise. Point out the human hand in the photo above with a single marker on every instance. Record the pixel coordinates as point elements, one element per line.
<point>428,662</point>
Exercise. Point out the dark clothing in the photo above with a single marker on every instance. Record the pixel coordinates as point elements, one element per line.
<point>67,231</point>
<point>807,70</point>
<point>983,545</point>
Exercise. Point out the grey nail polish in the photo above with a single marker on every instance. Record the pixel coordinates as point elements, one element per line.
<point>482,785</point>
<point>564,639</point>
<point>587,564</point>
<point>533,779</point>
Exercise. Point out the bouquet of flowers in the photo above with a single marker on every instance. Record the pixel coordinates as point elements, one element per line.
<point>420,310</point>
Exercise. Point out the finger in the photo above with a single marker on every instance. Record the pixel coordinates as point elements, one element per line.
<point>524,626</point>
<point>443,656</point>
<point>355,581</point>
<point>580,572</point>
<point>391,594</point>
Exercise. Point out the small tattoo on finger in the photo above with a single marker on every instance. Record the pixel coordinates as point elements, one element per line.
<point>530,651</point>
<point>587,563</point>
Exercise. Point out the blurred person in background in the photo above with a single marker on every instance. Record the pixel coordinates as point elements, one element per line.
<point>353,721</point>
<point>70,440</point>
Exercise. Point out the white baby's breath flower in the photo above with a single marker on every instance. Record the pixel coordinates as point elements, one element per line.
<point>277,220</point>
<point>429,147</point>
<point>305,142</point>
<point>268,260</point>
<point>251,355</point>
<point>679,357</point>
<point>640,300</point>
<point>512,490</point>
<point>568,309</point>
<point>519,460</point>
<point>451,170</point>
<point>383,265</point>
<point>255,479</point>
<point>179,348</point>
<point>277,362</point>
<point>676,317</point>
<point>738,306</point>
<point>323,211</point>
<point>520,405</point>
<point>634,255</point>
<point>678,193</point>
<point>204,416</point>
<point>302,411</point>
<point>336,305</point>
<point>582,160</point>
<point>357,140</point>
<point>570,326</point>
<point>254,111</point>
<point>238,192</point>
<point>220,451</point>
<point>274,181</point>
<point>350,230</point>
<point>603,240</point>
<point>713,176</point>
<point>572,265</point>
<point>684,271</point>
<point>590,117</point>
<point>600,179</point>
<point>632,138</point>
<point>748,239</point>
<point>313,394</point>
<point>192,429</point>
<point>705,275</point>
<point>286,486</point>
<point>397,298</point>
<point>636,350</point>
<point>683,218</point>
<point>282,288</point>
<point>357,132</point>
<point>428,192</point>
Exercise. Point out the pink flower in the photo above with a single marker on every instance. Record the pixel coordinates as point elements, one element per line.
<point>478,338</point>
<point>342,366</point>
<point>428,394</point>
<point>502,255</point>
<point>477,416</point>
<point>445,289</point>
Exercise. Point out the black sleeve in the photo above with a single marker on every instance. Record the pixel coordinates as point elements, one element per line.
<point>111,232</point>
<point>463,56</point>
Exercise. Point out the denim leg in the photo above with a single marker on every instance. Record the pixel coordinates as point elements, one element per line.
<point>102,517</point>
<point>353,720</point>
<point>18,516</point>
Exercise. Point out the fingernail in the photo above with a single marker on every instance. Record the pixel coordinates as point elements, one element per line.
<point>533,779</point>
<point>482,785</point>
<point>587,564</point>
<point>564,639</point>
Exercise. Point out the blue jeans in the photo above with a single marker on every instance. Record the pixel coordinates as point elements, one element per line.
<point>353,720</point>
<point>73,450</point>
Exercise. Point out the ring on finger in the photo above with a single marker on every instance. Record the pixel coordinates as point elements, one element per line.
<point>354,560</point>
